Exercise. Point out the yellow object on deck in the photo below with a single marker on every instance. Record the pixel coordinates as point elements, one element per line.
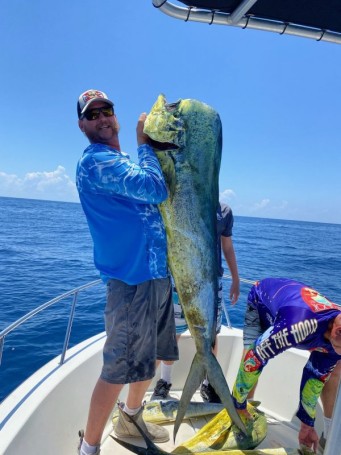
<point>220,434</point>
<point>278,451</point>
<point>165,411</point>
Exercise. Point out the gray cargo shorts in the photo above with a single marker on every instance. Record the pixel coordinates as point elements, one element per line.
<point>252,326</point>
<point>140,327</point>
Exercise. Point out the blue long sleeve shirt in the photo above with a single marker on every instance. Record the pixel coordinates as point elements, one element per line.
<point>119,199</point>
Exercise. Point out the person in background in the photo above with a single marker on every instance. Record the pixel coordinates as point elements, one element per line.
<point>225,245</point>
<point>282,314</point>
<point>119,199</point>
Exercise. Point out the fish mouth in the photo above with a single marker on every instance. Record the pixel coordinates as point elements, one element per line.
<point>170,107</point>
<point>163,146</point>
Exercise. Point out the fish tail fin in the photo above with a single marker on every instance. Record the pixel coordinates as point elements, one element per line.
<point>217,379</point>
<point>195,376</point>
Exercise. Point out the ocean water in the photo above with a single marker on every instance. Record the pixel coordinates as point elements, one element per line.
<point>46,250</point>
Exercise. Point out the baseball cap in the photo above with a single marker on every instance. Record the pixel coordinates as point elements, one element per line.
<point>89,97</point>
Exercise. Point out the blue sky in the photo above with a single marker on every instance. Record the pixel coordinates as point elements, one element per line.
<point>278,98</point>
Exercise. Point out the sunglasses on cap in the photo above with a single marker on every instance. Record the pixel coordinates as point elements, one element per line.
<point>93,114</point>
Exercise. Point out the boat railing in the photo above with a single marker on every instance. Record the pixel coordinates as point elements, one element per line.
<point>243,280</point>
<point>74,293</point>
<point>333,438</point>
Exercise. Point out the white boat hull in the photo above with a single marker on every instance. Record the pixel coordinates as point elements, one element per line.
<point>44,414</point>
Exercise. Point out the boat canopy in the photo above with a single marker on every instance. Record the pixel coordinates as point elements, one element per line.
<point>315,19</point>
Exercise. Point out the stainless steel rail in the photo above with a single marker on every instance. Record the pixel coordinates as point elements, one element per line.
<point>26,317</point>
<point>242,280</point>
<point>74,292</point>
<point>220,18</point>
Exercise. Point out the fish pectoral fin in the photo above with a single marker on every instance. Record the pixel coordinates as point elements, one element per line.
<point>195,376</point>
<point>254,403</point>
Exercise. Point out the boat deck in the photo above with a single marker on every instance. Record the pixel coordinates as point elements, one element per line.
<point>280,434</point>
<point>41,417</point>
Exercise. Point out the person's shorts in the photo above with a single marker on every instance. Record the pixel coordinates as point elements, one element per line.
<point>180,321</point>
<point>252,326</point>
<point>139,322</point>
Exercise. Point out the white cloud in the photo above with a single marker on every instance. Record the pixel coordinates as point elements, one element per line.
<point>227,195</point>
<point>54,185</point>
<point>260,205</point>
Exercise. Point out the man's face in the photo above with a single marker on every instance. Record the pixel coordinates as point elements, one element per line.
<point>336,343</point>
<point>101,130</point>
<point>335,337</point>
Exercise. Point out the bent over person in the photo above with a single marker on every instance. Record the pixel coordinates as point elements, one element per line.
<point>119,198</point>
<point>283,314</point>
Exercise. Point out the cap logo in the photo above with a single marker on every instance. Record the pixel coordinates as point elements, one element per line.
<point>87,96</point>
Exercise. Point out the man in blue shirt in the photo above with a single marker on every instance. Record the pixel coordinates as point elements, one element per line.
<point>119,199</point>
<point>283,314</point>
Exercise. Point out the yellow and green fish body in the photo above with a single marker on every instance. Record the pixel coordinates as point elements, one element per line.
<point>159,412</point>
<point>189,133</point>
<point>221,434</point>
<point>221,437</point>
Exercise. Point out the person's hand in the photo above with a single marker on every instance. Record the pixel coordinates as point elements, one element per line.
<point>142,138</point>
<point>307,436</point>
<point>234,291</point>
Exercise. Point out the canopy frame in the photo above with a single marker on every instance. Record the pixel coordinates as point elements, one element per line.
<point>240,18</point>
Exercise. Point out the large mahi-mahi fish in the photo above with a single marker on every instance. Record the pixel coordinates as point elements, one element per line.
<point>152,449</point>
<point>220,437</point>
<point>166,411</point>
<point>187,138</point>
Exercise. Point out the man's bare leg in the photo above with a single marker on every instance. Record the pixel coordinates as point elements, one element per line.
<point>136,393</point>
<point>102,402</point>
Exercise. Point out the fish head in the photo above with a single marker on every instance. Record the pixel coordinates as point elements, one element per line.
<point>187,138</point>
<point>164,125</point>
<point>187,125</point>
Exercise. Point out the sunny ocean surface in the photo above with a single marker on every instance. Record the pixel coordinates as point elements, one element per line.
<point>46,250</point>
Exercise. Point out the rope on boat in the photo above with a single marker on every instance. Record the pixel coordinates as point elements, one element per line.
<point>242,280</point>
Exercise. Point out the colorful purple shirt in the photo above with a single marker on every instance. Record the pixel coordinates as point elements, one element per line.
<point>292,315</point>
